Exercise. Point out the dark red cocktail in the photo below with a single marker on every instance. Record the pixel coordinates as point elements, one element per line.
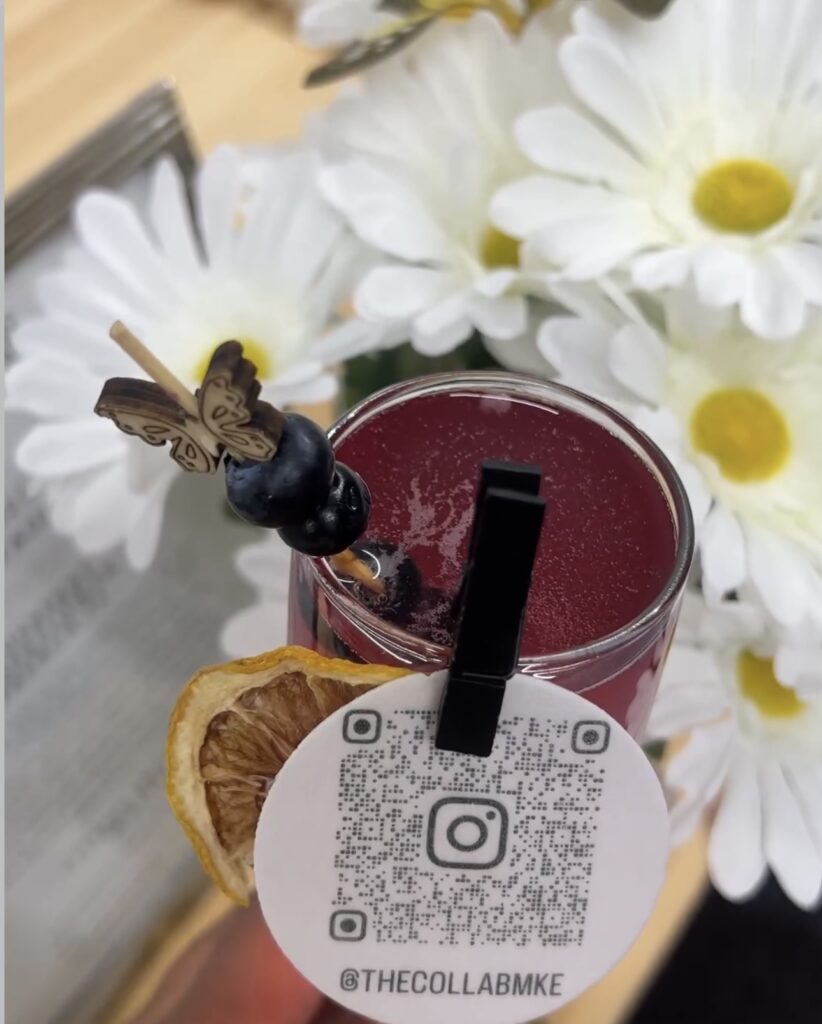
<point>613,557</point>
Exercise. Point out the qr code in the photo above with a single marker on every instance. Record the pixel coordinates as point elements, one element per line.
<point>435,847</point>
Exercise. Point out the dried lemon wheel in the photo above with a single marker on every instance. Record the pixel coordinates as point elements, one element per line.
<point>231,731</point>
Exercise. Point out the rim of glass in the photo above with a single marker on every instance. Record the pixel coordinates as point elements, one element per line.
<point>545,393</point>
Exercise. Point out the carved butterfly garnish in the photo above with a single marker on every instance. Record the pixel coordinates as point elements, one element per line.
<point>230,417</point>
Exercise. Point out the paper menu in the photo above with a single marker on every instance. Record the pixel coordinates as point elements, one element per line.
<point>95,656</point>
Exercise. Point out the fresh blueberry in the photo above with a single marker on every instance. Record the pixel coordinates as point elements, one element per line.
<point>291,485</point>
<point>399,573</point>
<point>338,521</point>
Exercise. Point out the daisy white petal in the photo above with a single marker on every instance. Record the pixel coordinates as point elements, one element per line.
<point>772,304</point>
<point>780,574</point>
<point>698,770</point>
<point>739,421</point>
<point>147,522</point>
<point>699,767</point>
<point>723,546</point>
<point>51,450</point>
<point>170,219</point>
<point>495,283</point>
<point>601,77</point>
<point>312,391</point>
<point>564,141</point>
<point>443,327</point>
<point>797,664</point>
<point>261,626</point>
<point>803,262</point>
<point>805,782</point>
<point>50,388</point>
<point>597,240</point>
<point>694,146</point>
<point>636,358</point>
<point>101,517</point>
<point>330,22</point>
<point>720,275</point>
<point>112,232</point>
<point>579,351</point>
<point>82,300</point>
<point>398,292</point>
<point>340,344</point>
<point>521,354</point>
<point>691,695</point>
<point>666,268</point>
<point>789,846</point>
<point>503,317</point>
<point>416,154</point>
<point>383,212</point>
<point>218,185</point>
<point>762,756</point>
<point>736,858</point>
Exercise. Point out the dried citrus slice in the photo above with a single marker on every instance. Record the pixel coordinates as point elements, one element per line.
<point>231,731</point>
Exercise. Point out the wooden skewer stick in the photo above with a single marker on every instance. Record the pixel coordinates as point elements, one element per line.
<point>159,372</point>
<point>346,562</point>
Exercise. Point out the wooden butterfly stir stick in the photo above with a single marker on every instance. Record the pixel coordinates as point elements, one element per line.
<point>225,415</point>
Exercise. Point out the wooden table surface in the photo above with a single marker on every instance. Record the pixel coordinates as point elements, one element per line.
<point>71,64</point>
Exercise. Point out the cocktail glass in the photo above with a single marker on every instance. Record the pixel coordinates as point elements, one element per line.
<point>615,551</point>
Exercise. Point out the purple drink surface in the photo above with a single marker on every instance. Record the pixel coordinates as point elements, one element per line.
<point>608,544</point>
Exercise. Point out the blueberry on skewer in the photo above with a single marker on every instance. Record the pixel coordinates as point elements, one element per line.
<point>280,469</point>
<point>285,490</point>
<point>338,522</point>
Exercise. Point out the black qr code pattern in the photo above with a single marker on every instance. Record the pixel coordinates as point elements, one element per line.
<point>437,848</point>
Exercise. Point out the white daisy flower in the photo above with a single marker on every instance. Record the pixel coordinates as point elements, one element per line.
<point>695,149</point>
<point>270,271</point>
<point>263,625</point>
<point>415,155</point>
<point>521,354</point>
<point>755,745</point>
<point>738,419</point>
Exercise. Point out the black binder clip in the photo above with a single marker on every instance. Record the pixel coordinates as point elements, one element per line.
<point>493,595</point>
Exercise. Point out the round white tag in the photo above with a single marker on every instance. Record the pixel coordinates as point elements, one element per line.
<point>410,883</point>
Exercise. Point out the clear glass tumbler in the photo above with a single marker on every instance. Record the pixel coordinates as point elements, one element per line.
<point>616,548</point>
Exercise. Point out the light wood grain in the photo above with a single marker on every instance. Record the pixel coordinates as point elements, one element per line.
<point>71,64</point>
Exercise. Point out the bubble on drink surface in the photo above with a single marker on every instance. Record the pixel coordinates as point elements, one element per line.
<point>496,405</point>
<point>442,523</point>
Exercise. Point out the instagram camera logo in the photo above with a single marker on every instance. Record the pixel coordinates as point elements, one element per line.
<point>362,726</point>
<point>347,926</point>
<point>467,832</point>
<point>590,737</point>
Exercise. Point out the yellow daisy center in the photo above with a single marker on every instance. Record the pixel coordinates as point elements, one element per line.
<point>460,11</point>
<point>758,683</point>
<point>252,350</point>
<point>742,196</point>
<point>498,249</point>
<point>743,431</point>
